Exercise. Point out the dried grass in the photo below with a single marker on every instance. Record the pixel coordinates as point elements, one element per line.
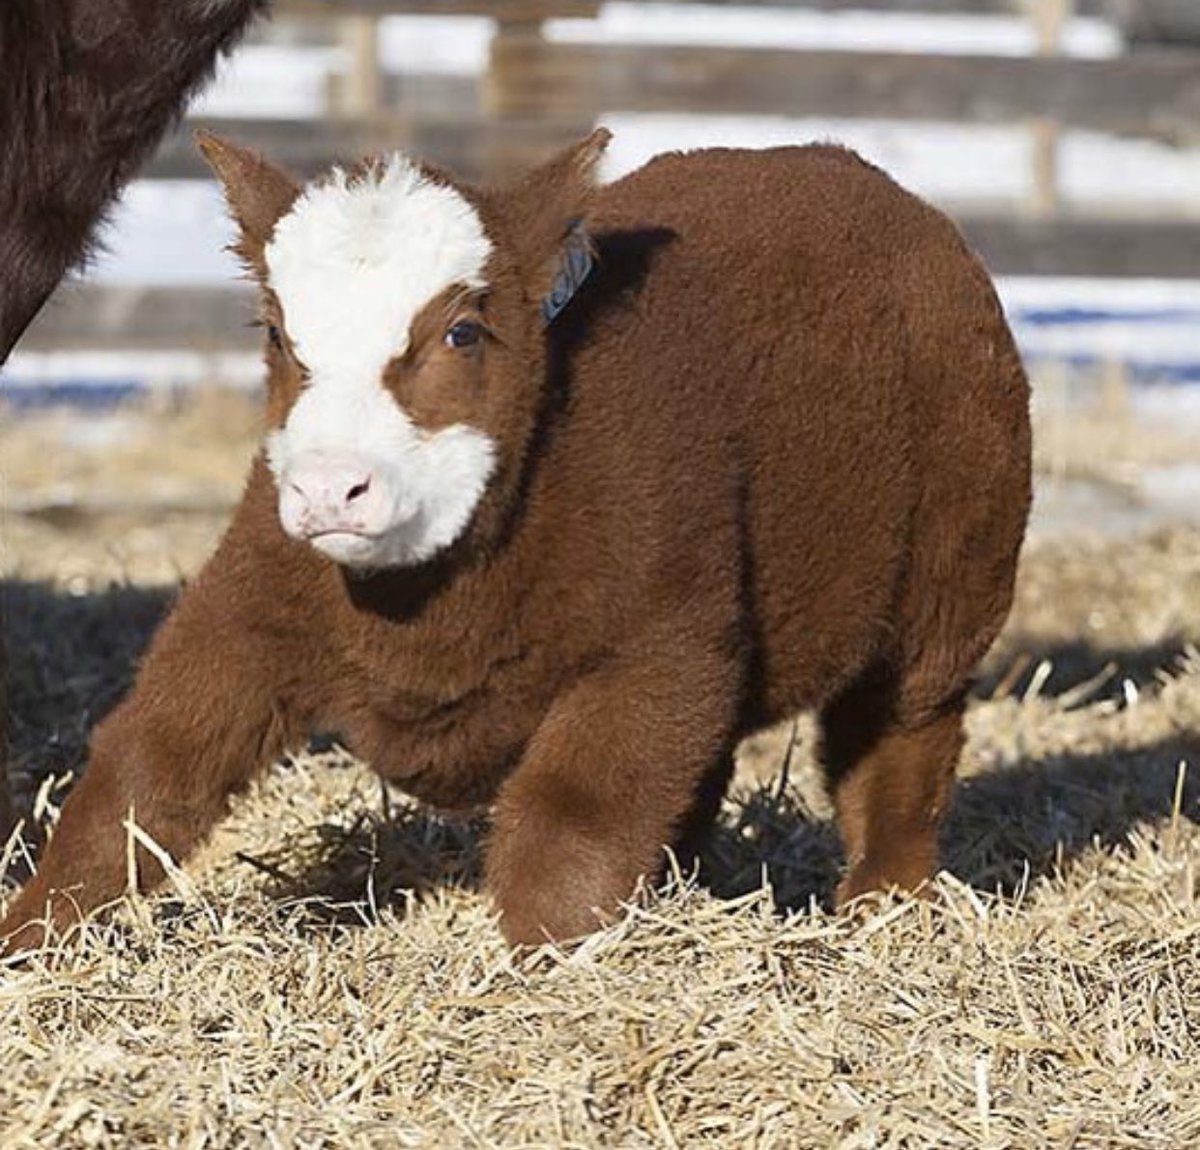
<point>326,973</point>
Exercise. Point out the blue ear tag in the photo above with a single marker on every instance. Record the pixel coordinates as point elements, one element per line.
<point>576,265</point>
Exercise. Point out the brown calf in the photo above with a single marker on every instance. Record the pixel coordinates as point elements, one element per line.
<point>774,454</point>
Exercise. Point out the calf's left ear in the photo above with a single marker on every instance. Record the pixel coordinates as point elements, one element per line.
<point>547,215</point>
<point>257,192</point>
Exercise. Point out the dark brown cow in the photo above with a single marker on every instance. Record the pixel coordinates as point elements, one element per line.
<point>87,89</point>
<point>558,555</point>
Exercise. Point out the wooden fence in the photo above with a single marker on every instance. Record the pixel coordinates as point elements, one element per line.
<point>537,93</point>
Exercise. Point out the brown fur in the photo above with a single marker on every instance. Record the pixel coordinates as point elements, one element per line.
<point>774,455</point>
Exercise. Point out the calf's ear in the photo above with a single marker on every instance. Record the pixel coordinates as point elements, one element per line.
<point>547,212</point>
<point>257,192</point>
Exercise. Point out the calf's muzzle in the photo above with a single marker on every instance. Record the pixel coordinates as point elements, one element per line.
<point>323,492</point>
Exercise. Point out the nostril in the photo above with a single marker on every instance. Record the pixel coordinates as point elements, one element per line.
<point>358,490</point>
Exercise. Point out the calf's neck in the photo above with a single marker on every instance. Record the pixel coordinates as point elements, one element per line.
<point>553,542</point>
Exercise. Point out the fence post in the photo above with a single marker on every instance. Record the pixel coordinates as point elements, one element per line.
<point>522,95</point>
<point>1049,17</point>
<point>503,95</point>
<point>510,87</point>
<point>360,95</point>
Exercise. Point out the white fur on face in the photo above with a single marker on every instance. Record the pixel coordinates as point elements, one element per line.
<point>352,264</point>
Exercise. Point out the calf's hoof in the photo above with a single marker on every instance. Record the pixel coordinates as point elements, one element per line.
<point>863,882</point>
<point>21,937</point>
<point>524,932</point>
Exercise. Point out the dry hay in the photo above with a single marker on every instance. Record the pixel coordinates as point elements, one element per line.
<point>138,494</point>
<point>326,973</point>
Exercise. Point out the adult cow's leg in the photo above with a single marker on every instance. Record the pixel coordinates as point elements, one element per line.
<point>609,779</point>
<point>211,706</point>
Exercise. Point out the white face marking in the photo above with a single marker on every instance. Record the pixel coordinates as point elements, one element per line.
<point>352,264</point>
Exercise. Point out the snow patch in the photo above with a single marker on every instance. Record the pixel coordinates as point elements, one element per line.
<point>851,31</point>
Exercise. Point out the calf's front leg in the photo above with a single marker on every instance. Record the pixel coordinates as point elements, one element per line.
<point>611,777</point>
<point>207,712</point>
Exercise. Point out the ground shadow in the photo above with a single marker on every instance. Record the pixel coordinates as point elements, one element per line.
<point>1070,664</point>
<point>388,858</point>
<point>70,659</point>
<point>1007,827</point>
<point>1033,819</point>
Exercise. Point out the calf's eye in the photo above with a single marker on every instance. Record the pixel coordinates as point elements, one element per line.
<point>275,337</point>
<point>465,333</point>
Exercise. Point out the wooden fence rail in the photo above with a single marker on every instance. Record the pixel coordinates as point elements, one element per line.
<point>503,10</point>
<point>1162,10</point>
<point>1150,95</point>
<point>214,319</point>
<point>1154,94</point>
<point>472,145</point>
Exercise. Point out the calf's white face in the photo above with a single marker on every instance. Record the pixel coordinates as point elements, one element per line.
<point>406,355</point>
<point>352,264</point>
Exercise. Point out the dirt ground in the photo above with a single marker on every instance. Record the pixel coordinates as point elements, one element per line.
<point>327,973</point>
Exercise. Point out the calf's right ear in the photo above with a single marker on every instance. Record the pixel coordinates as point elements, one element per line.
<point>547,215</point>
<point>257,192</point>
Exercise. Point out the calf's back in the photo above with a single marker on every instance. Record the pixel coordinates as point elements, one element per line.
<point>792,379</point>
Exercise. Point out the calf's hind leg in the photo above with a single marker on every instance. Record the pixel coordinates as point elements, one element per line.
<point>892,782</point>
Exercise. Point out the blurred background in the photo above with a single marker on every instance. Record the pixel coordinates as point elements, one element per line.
<point>1063,135</point>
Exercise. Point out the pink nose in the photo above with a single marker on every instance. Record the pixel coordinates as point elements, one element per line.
<point>323,492</point>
